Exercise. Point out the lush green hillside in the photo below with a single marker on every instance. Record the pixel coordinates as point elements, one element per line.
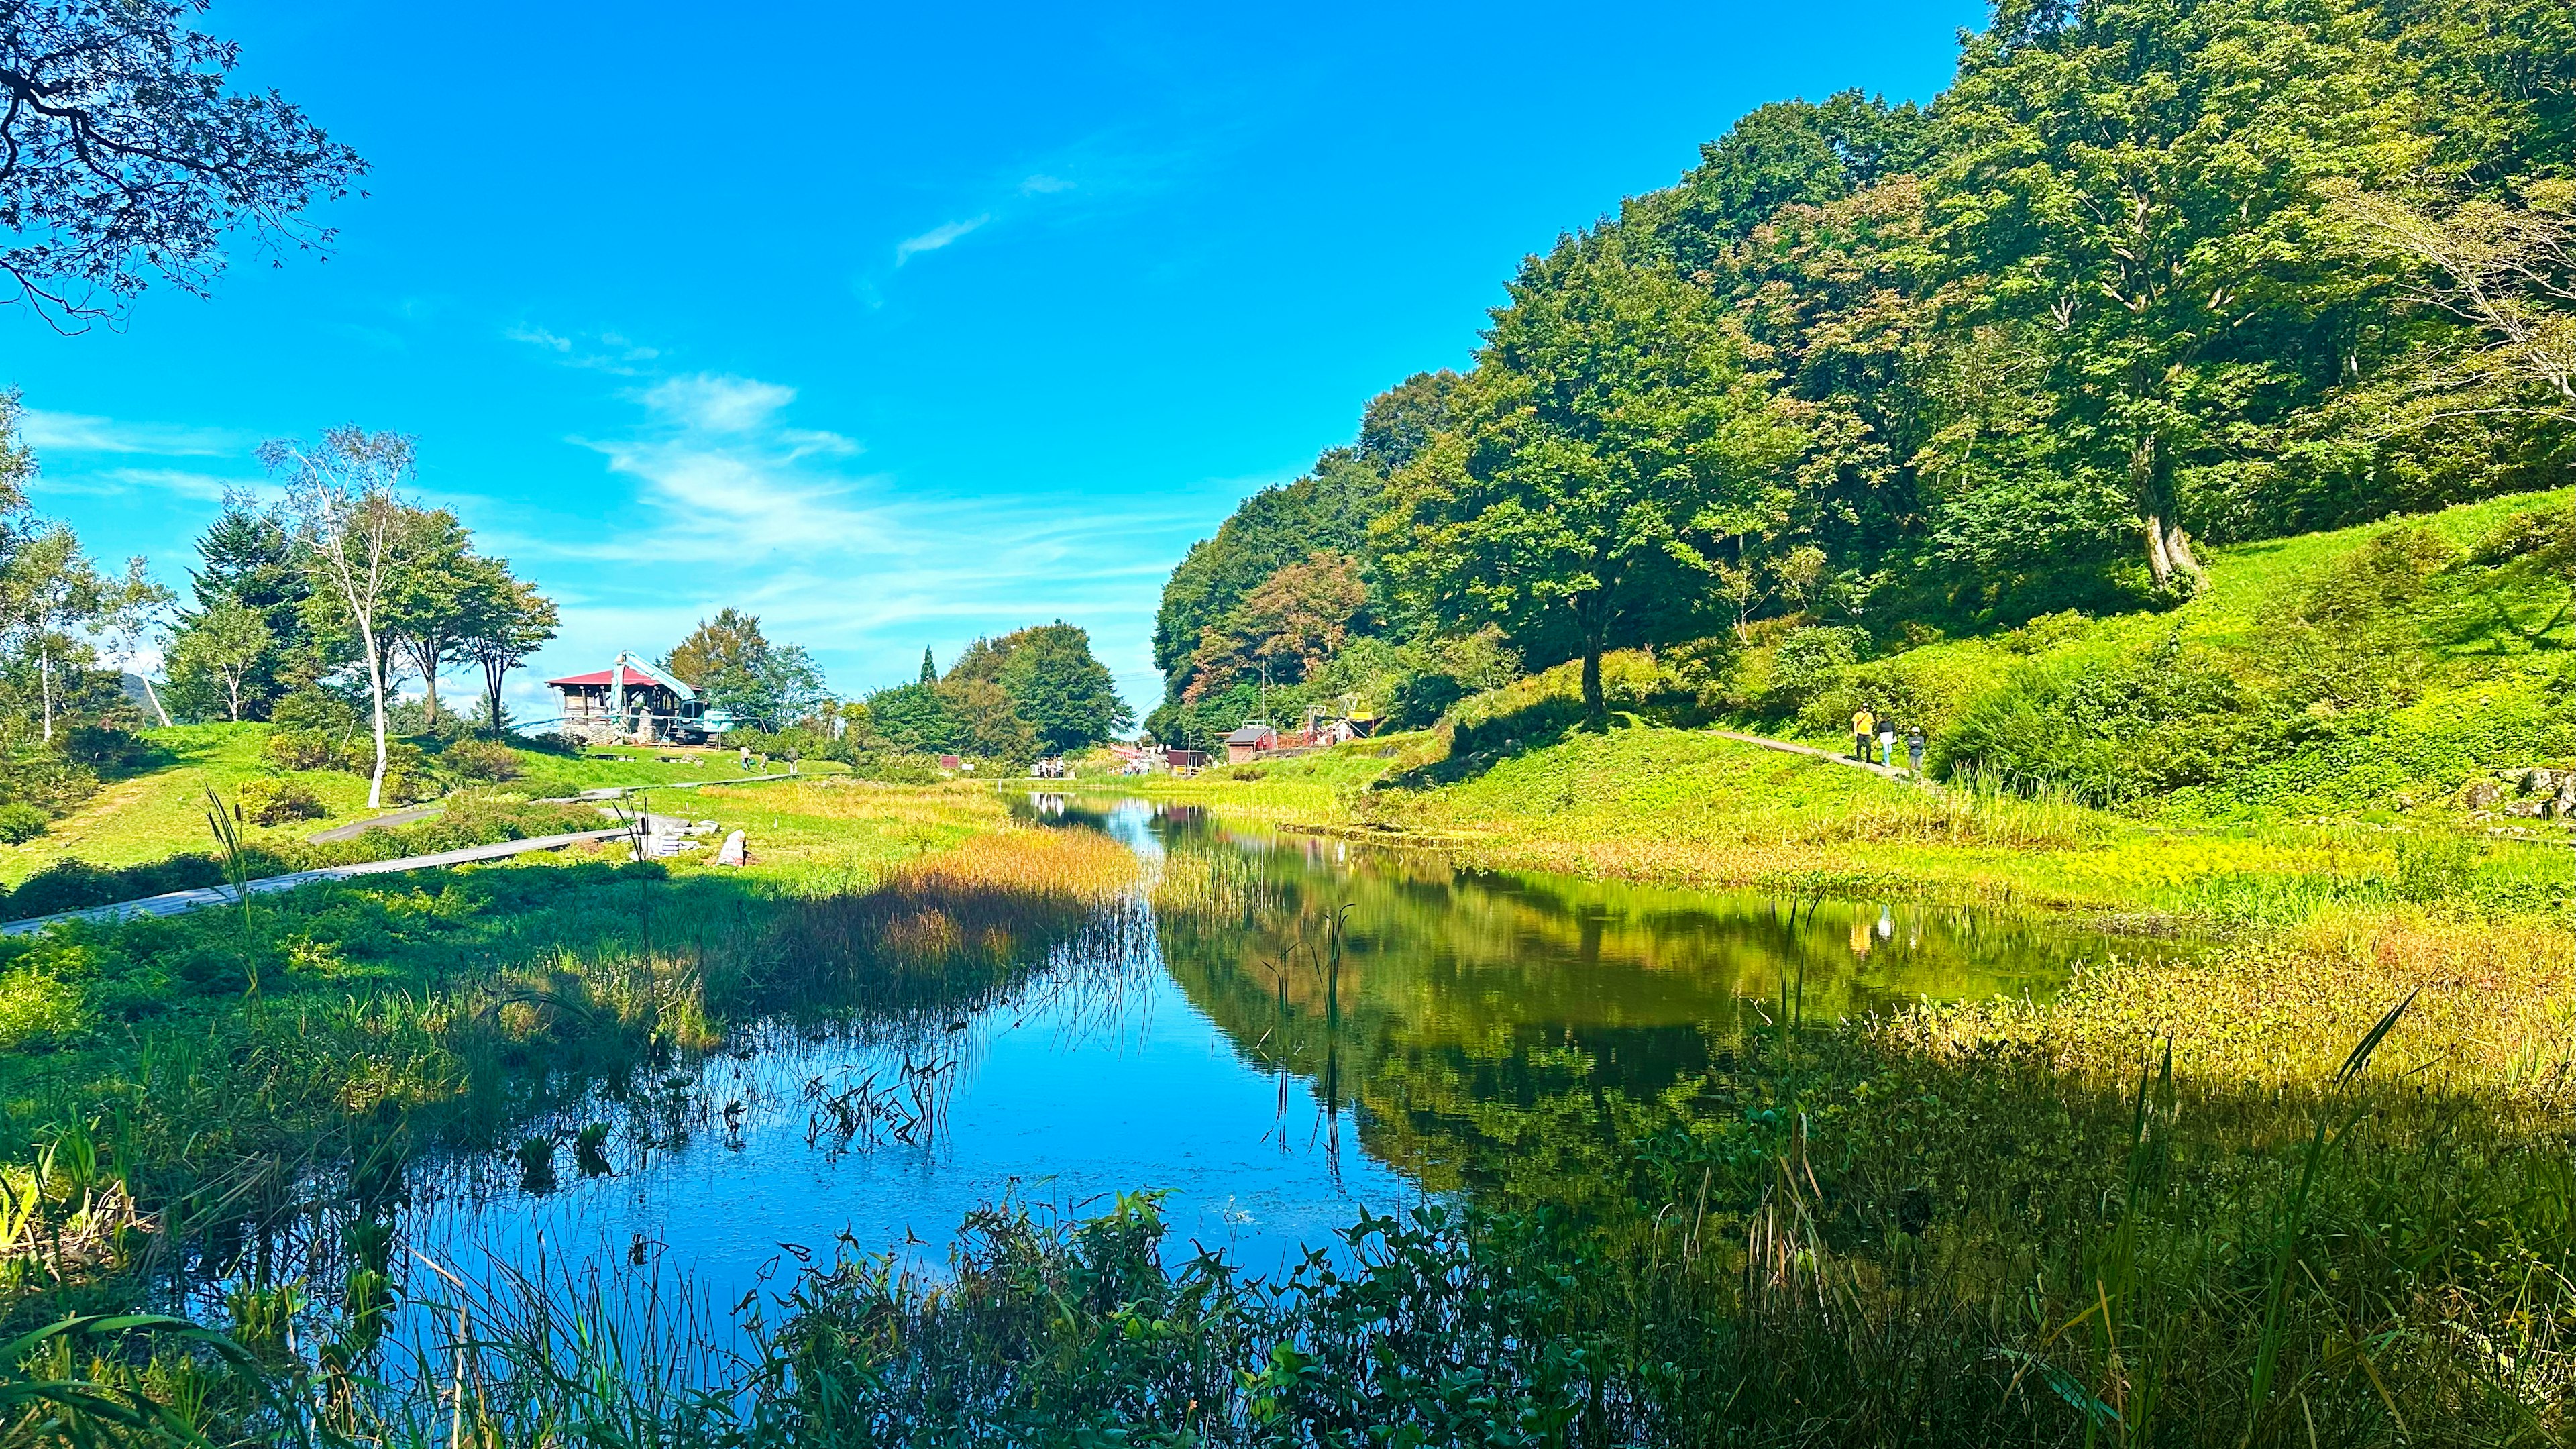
<point>2297,736</point>
<point>159,809</point>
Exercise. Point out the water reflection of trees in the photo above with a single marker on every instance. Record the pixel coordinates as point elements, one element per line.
<point>1511,1032</point>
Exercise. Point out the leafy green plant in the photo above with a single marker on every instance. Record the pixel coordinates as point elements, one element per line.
<point>21,822</point>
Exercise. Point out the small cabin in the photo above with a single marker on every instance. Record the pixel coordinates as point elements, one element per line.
<point>1248,742</point>
<point>627,704</point>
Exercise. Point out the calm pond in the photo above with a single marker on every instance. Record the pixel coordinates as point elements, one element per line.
<point>1215,1055</point>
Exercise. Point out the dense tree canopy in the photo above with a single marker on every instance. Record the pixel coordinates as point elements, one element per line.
<point>2152,274</point>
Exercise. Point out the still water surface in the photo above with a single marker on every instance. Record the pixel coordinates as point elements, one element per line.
<point>1216,1054</point>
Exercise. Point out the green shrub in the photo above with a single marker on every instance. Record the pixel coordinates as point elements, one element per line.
<point>1806,663</point>
<point>21,822</point>
<point>37,1007</point>
<point>2110,731</point>
<point>280,801</point>
<point>407,777</point>
<point>105,747</point>
<point>300,749</point>
<point>480,760</point>
<point>47,779</point>
<point>314,712</point>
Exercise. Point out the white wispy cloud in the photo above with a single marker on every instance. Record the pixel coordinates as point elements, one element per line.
<point>48,431</point>
<point>707,403</point>
<point>598,351</point>
<point>119,482</point>
<point>1042,184</point>
<point>937,237</point>
<point>735,503</point>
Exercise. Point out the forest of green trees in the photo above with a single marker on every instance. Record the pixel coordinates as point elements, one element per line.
<point>2150,275</point>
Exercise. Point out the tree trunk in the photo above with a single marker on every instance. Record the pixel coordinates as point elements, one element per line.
<point>2159,562</point>
<point>232,687</point>
<point>2178,550</point>
<point>1596,707</point>
<point>45,687</point>
<point>376,696</point>
<point>429,681</point>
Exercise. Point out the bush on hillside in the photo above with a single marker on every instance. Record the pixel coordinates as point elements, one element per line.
<point>45,779</point>
<point>480,760</point>
<point>1909,689</point>
<point>2108,730</point>
<point>301,749</point>
<point>407,777</point>
<point>313,711</point>
<point>21,822</point>
<point>2546,535</point>
<point>106,747</point>
<point>280,801</point>
<point>1807,661</point>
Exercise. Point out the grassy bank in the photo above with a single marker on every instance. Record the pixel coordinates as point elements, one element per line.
<point>156,809</point>
<point>173,1086</point>
<point>2303,1189</point>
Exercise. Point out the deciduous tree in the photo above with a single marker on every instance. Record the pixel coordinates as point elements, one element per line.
<point>126,151</point>
<point>346,495</point>
<point>1616,423</point>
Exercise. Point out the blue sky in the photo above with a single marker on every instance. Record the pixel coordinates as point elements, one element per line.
<point>894,326</point>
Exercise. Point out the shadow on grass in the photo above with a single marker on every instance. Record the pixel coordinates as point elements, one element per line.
<point>1477,748</point>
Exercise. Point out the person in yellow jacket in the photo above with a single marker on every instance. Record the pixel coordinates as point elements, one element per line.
<point>1864,725</point>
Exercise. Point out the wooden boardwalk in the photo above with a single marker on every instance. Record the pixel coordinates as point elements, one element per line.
<point>175,903</point>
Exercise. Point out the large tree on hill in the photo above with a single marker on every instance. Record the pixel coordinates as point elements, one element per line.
<point>2138,184</point>
<point>223,644</point>
<point>510,622</point>
<point>1328,508</point>
<point>1787,153</point>
<point>246,558</point>
<point>1616,426</point>
<point>1066,696</point>
<point>53,598</point>
<point>346,495</point>
<point>124,151</point>
<point>736,668</point>
<point>433,596</point>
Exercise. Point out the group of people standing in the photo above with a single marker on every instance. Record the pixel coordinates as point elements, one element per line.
<point>1870,727</point>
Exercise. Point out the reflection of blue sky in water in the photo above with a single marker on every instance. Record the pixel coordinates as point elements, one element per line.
<point>1100,1082</point>
<point>1104,1075</point>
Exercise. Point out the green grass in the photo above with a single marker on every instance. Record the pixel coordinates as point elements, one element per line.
<point>2470,689</point>
<point>160,811</point>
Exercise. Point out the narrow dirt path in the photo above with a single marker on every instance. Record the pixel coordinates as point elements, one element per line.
<point>1884,772</point>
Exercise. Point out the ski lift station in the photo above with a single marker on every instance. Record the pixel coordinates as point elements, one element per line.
<point>631,702</point>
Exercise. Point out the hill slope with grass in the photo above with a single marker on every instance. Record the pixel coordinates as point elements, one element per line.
<point>2341,717</point>
<point>155,809</point>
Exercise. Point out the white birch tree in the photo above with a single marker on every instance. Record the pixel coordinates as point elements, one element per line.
<point>346,497</point>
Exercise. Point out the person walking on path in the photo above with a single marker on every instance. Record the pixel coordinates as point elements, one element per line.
<point>1914,748</point>
<point>1887,743</point>
<point>1864,724</point>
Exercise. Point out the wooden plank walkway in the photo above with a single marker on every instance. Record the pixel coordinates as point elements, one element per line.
<point>178,902</point>
<point>174,903</point>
